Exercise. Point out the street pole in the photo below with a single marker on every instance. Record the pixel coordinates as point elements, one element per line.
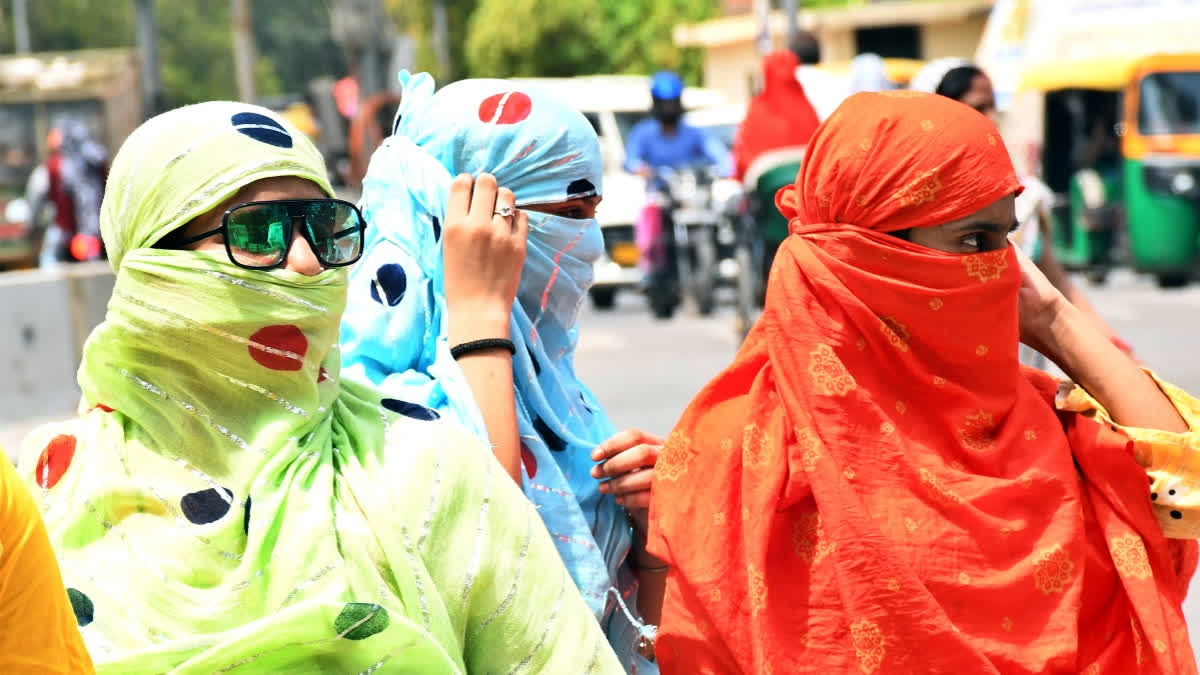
<point>21,26</point>
<point>789,7</point>
<point>441,38</point>
<point>243,50</point>
<point>152,96</point>
<point>370,79</point>
<point>762,8</point>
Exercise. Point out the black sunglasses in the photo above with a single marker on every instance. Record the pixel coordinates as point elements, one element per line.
<point>258,235</point>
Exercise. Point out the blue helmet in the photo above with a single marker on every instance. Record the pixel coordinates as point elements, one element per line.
<point>666,85</point>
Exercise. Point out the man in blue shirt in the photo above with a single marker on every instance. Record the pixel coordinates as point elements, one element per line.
<point>663,140</point>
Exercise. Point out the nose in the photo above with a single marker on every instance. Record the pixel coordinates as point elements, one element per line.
<point>301,258</point>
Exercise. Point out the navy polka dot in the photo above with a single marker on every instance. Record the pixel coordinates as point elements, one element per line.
<point>551,439</point>
<point>1176,515</point>
<point>437,229</point>
<point>206,506</point>
<point>262,128</point>
<point>1171,492</point>
<point>361,620</point>
<point>246,518</point>
<point>389,284</point>
<point>82,605</point>
<point>413,410</point>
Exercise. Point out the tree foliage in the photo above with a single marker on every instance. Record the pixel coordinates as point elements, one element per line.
<point>195,41</point>
<point>415,17</point>
<point>536,37</point>
<point>550,37</point>
<point>294,40</point>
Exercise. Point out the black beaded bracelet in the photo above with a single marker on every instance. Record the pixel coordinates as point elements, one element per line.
<point>482,345</point>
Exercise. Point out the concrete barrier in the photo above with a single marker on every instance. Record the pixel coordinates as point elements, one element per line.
<point>45,317</point>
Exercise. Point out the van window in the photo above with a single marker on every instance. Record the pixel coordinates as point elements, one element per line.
<point>594,120</point>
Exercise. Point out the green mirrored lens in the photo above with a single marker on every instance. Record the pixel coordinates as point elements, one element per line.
<point>258,234</point>
<point>335,231</point>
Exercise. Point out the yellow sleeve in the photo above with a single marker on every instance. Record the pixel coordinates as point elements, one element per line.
<point>38,631</point>
<point>1171,460</point>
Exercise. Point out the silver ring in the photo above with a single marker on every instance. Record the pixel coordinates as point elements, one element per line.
<point>505,211</point>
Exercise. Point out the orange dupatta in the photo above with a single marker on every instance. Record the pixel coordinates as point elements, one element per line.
<point>875,485</point>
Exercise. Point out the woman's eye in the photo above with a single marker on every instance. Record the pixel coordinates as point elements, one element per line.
<point>971,241</point>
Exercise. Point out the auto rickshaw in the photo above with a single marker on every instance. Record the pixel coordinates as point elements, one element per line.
<point>1121,151</point>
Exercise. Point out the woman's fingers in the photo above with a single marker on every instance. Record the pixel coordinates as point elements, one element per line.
<point>483,199</point>
<point>637,481</point>
<point>637,457</point>
<point>622,441</point>
<point>459,204</point>
<point>638,501</point>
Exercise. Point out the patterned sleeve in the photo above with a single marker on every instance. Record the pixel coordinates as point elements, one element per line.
<point>1172,460</point>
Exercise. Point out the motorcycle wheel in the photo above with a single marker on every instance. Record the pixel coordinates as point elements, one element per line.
<point>704,275</point>
<point>603,298</point>
<point>747,289</point>
<point>662,304</point>
<point>1172,280</point>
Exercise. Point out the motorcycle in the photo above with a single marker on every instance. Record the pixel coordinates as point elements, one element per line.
<point>743,249</point>
<point>679,231</point>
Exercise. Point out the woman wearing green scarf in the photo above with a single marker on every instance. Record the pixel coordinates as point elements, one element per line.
<point>223,502</point>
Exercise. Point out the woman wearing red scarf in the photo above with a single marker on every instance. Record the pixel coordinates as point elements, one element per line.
<point>780,116</point>
<point>893,492</point>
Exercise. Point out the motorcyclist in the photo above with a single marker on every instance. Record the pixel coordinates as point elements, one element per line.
<point>664,140</point>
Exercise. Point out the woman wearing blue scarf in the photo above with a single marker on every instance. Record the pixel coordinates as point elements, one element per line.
<point>450,262</point>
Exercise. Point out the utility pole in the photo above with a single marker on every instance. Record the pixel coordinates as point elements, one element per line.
<point>441,39</point>
<point>243,50</point>
<point>789,7</point>
<point>762,8</point>
<point>152,96</point>
<point>21,26</point>
<point>358,27</point>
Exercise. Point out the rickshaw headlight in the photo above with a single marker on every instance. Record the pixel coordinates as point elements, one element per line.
<point>1183,183</point>
<point>1180,181</point>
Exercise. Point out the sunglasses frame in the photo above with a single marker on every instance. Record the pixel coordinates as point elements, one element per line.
<point>295,211</point>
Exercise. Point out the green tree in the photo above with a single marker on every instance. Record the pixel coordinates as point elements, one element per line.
<point>554,38</point>
<point>646,35</point>
<point>415,17</point>
<point>296,40</point>
<point>195,42</point>
<point>587,36</point>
